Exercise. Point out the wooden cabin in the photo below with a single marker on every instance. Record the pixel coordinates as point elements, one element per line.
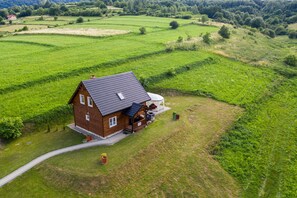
<point>110,104</point>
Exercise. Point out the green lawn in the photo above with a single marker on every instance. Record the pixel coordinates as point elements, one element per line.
<point>22,150</point>
<point>149,162</point>
<point>27,106</point>
<point>74,52</point>
<point>261,149</point>
<point>227,80</point>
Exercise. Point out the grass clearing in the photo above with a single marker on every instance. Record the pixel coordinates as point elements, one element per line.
<point>152,163</point>
<point>33,144</point>
<point>28,106</point>
<point>226,80</point>
<point>12,28</point>
<point>256,48</point>
<point>81,32</point>
<point>260,151</point>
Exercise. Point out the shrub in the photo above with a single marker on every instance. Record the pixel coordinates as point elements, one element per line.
<point>206,38</point>
<point>180,39</point>
<point>291,60</point>
<point>79,20</point>
<point>174,24</point>
<point>55,18</point>
<point>293,34</point>
<point>10,127</point>
<point>224,32</point>
<point>142,30</point>
<point>40,18</point>
<point>204,18</point>
<point>171,72</point>
<point>25,28</point>
<point>186,17</point>
<point>269,32</point>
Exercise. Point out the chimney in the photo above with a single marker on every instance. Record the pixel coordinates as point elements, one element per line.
<point>92,76</point>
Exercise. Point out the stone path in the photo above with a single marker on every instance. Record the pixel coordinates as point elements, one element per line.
<point>110,141</point>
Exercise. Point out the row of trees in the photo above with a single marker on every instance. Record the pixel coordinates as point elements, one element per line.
<point>270,17</point>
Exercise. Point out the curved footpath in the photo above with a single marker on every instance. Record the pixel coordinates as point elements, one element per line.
<point>110,141</point>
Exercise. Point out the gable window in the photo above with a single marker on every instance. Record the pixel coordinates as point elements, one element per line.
<point>82,99</point>
<point>90,101</point>
<point>88,117</point>
<point>112,121</point>
<point>121,96</point>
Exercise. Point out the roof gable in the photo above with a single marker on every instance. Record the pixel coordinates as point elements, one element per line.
<point>104,92</point>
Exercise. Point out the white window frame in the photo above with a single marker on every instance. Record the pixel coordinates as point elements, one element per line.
<point>113,121</point>
<point>121,96</point>
<point>82,99</point>
<point>87,117</point>
<point>90,101</point>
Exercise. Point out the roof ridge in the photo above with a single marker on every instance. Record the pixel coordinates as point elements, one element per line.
<point>104,77</point>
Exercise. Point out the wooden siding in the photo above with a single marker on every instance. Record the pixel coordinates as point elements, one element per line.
<point>95,124</point>
<point>122,123</point>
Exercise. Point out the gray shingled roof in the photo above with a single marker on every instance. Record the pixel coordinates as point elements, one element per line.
<point>104,92</point>
<point>133,109</point>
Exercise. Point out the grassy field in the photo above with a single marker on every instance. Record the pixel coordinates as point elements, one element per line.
<point>148,163</point>
<point>255,48</point>
<point>226,80</point>
<point>259,151</point>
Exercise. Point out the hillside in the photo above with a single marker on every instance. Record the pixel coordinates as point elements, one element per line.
<point>236,98</point>
<point>9,3</point>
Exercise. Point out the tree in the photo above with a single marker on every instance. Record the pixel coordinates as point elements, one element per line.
<point>79,20</point>
<point>258,22</point>
<point>2,22</point>
<point>174,24</point>
<point>142,30</point>
<point>10,127</point>
<point>291,60</point>
<point>204,18</point>
<point>269,32</point>
<point>293,34</point>
<point>3,13</point>
<point>180,39</point>
<point>224,32</point>
<point>206,38</point>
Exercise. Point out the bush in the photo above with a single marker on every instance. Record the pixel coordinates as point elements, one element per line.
<point>25,28</point>
<point>206,38</point>
<point>269,33</point>
<point>174,24</point>
<point>10,127</point>
<point>80,20</point>
<point>180,39</point>
<point>291,60</point>
<point>142,30</point>
<point>224,32</point>
<point>186,17</point>
<point>55,18</point>
<point>293,34</point>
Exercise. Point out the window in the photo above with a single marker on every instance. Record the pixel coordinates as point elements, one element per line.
<point>121,96</point>
<point>90,101</point>
<point>112,121</point>
<point>88,117</point>
<point>82,99</point>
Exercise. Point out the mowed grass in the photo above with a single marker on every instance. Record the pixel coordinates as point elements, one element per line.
<point>34,101</point>
<point>78,52</point>
<point>12,28</point>
<point>169,158</point>
<point>22,150</point>
<point>260,151</point>
<point>226,80</point>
